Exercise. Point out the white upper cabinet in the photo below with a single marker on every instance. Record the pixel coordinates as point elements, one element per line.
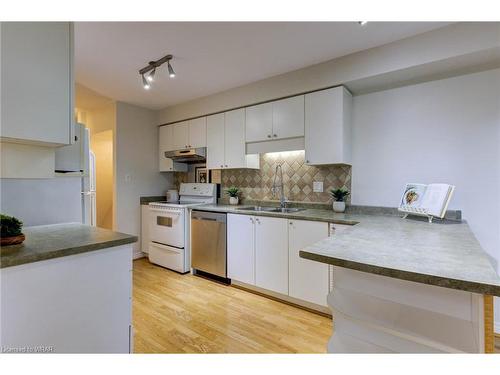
<point>198,132</point>
<point>275,120</point>
<point>259,122</point>
<point>226,142</point>
<point>166,144</point>
<point>180,135</point>
<point>37,82</point>
<point>271,254</point>
<point>308,280</point>
<point>328,127</point>
<point>235,139</point>
<point>215,141</point>
<point>188,134</point>
<point>166,138</point>
<point>241,248</point>
<point>288,118</point>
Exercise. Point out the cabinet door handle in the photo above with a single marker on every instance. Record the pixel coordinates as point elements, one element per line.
<point>269,136</point>
<point>307,161</point>
<point>257,220</point>
<point>274,135</point>
<point>226,165</point>
<point>291,223</point>
<point>221,166</point>
<point>251,219</point>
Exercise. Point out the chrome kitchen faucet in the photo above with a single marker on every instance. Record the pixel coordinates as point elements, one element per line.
<point>283,200</point>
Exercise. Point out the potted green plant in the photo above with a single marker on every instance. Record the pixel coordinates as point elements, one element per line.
<point>339,196</point>
<point>233,193</point>
<point>10,230</point>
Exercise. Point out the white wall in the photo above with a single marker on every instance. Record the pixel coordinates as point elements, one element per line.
<point>136,161</point>
<point>442,131</point>
<point>431,54</point>
<point>42,201</point>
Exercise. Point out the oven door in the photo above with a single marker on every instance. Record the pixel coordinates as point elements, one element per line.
<point>167,226</point>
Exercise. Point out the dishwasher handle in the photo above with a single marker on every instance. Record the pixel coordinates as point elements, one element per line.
<point>209,216</point>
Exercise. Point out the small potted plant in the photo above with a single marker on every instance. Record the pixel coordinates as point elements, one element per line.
<point>339,196</point>
<point>10,230</point>
<point>233,193</point>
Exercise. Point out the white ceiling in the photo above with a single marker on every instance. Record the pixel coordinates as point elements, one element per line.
<point>213,57</point>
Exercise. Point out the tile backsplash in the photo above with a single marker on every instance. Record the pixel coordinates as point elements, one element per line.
<point>298,178</point>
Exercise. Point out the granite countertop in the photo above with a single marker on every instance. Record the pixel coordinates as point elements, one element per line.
<point>60,240</point>
<point>311,214</point>
<point>444,253</point>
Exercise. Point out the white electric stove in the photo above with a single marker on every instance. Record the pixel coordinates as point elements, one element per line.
<point>169,226</point>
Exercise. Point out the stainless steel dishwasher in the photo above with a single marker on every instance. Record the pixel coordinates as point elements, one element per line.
<point>208,243</point>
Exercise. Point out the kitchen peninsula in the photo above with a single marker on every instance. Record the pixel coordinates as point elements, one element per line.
<point>67,289</point>
<point>404,285</point>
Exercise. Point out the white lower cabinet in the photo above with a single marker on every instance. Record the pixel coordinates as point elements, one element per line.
<point>264,252</point>
<point>308,280</point>
<point>241,248</point>
<point>271,254</point>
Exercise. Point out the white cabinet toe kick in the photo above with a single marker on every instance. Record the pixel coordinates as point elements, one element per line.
<point>378,314</point>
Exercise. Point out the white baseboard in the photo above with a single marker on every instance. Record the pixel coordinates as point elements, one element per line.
<point>139,255</point>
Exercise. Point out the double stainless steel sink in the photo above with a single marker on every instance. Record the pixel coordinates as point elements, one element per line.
<point>271,209</point>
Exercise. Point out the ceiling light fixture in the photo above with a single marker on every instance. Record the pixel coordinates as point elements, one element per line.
<point>148,72</point>
<point>171,72</point>
<point>362,23</point>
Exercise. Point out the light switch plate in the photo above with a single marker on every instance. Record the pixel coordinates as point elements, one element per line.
<point>318,186</point>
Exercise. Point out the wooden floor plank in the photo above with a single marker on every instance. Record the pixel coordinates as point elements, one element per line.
<point>175,313</point>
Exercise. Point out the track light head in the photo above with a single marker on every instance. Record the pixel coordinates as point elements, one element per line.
<point>151,75</point>
<point>362,23</point>
<point>171,72</point>
<point>145,83</point>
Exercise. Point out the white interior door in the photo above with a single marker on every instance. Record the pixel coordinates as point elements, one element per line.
<point>308,280</point>
<point>215,141</point>
<point>241,248</point>
<point>259,122</point>
<point>271,254</point>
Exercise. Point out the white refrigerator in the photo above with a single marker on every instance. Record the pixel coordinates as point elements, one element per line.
<point>78,160</point>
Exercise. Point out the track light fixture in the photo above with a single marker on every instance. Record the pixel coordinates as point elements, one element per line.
<point>148,72</point>
<point>362,23</point>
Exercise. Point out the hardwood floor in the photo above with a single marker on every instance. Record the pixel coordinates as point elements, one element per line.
<point>175,313</point>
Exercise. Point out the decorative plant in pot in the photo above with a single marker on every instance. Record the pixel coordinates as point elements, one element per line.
<point>10,230</point>
<point>233,193</point>
<point>339,196</point>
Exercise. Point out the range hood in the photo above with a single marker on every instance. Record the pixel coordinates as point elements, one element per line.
<point>188,155</point>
